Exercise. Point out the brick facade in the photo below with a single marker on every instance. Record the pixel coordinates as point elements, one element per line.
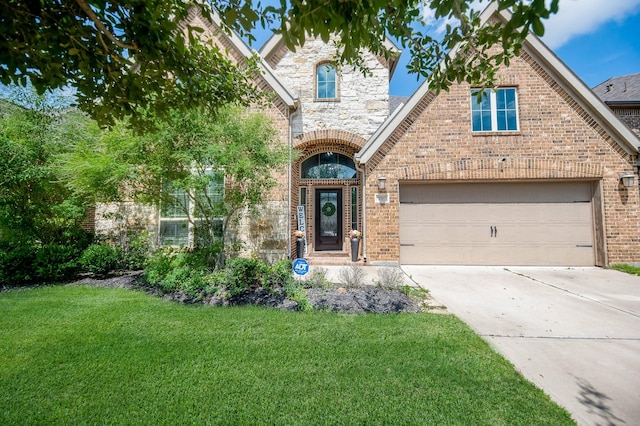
<point>557,139</point>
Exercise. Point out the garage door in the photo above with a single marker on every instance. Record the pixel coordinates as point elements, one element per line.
<point>497,224</point>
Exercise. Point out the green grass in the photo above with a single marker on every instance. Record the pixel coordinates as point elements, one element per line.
<point>83,355</point>
<point>629,269</point>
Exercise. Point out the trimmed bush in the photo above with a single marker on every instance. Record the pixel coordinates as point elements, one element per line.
<point>56,262</point>
<point>244,274</point>
<point>101,259</point>
<point>16,264</point>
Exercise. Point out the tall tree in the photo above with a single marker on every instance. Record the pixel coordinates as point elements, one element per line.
<point>181,166</point>
<point>35,206</point>
<point>128,55</point>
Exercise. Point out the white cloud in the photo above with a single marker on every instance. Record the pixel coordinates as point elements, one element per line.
<point>440,25</point>
<point>579,17</point>
<point>574,18</point>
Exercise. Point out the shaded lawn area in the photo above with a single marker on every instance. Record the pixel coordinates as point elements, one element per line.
<point>85,355</point>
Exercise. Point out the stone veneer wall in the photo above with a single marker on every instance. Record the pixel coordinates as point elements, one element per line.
<point>557,140</point>
<point>362,105</point>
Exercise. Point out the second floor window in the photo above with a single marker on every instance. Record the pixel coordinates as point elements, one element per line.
<point>326,82</point>
<point>495,110</point>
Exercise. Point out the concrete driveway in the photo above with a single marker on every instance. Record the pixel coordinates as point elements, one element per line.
<point>574,332</point>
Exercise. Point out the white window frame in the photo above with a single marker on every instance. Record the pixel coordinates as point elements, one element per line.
<point>493,105</point>
<point>191,237</point>
<point>335,82</point>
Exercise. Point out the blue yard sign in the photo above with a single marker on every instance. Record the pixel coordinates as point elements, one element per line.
<point>300,266</point>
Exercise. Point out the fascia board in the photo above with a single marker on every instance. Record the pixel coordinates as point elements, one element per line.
<point>269,76</point>
<point>587,99</point>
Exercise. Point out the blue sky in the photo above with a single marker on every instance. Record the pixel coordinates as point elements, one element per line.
<point>597,39</point>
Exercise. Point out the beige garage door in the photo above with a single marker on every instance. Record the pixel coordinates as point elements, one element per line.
<point>497,224</point>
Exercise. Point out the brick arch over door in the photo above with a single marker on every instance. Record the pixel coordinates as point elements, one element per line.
<point>338,137</point>
<point>314,143</point>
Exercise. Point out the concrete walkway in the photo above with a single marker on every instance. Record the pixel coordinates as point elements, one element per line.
<point>574,332</point>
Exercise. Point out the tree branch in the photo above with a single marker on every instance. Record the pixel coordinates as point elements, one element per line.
<point>87,9</point>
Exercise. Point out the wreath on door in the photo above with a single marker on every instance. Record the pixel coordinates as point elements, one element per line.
<point>329,209</point>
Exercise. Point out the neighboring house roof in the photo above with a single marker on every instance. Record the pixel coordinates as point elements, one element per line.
<point>550,62</point>
<point>623,90</point>
<point>273,49</point>
<point>396,101</point>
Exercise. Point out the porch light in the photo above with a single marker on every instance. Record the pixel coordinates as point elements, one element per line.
<point>382,183</point>
<point>627,180</point>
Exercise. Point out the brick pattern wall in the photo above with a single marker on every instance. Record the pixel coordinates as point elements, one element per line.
<point>557,140</point>
<point>630,117</point>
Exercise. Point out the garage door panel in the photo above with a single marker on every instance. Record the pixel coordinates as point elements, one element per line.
<point>545,231</point>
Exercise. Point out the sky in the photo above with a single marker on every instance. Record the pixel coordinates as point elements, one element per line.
<point>596,39</point>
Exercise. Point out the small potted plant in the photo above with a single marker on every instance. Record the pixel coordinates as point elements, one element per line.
<point>355,236</point>
<point>299,243</point>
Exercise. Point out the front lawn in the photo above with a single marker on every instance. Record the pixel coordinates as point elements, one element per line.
<point>85,355</point>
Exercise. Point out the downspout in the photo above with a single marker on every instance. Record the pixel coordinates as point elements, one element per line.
<point>289,184</point>
<point>364,210</point>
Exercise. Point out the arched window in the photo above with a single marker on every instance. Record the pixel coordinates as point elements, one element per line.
<point>328,165</point>
<point>326,81</point>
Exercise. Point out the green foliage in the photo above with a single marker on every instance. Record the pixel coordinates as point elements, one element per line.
<point>244,274</point>
<point>183,270</point>
<point>184,160</point>
<point>138,60</point>
<point>101,259</point>
<point>35,205</point>
<point>136,250</point>
<point>131,58</point>
<point>279,274</point>
<point>629,269</point>
<point>16,263</point>
<point>56,262</point>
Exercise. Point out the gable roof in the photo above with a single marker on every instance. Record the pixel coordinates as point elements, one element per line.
<point>290,100</point>
<point>549,62</point>
<point>623,90</point>
<point>274,49</point>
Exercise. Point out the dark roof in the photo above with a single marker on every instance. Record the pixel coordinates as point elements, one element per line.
<point>395,102</point>
<point>620,89</point>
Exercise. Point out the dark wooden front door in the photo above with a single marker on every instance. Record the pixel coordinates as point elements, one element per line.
<point>328,219</point>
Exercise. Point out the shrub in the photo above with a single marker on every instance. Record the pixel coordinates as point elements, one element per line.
<point>351,276</point>
<point>243,274</point>
<point>317,278</point>
<point>56,262</point>
<point>136,253</point>
<point>279,274</point>
<point>392,278</point>
<point>101,259</point>
<point>187,271</point>
<point>16,264</point>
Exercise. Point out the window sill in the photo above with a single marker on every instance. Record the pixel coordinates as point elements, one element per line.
<point>327,100</point>
<point>498,133</point>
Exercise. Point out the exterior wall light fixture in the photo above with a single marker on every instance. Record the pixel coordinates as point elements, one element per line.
<point>627,179</point>
<point>382,183</point>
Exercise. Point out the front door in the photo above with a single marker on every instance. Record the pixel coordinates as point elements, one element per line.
<point>328,220</point>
